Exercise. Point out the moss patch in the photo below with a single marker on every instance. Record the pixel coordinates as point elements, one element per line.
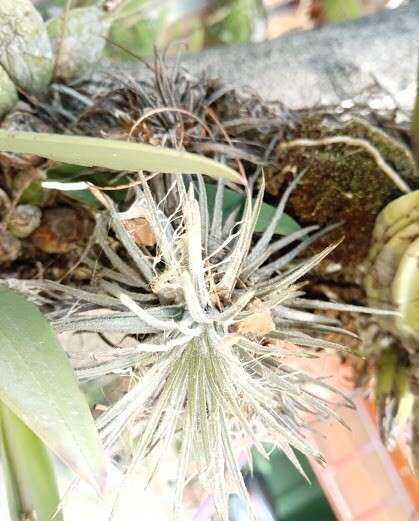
<point>343,182</point>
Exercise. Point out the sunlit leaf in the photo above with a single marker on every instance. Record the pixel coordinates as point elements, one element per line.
<point>112,154</point>
<point>28,471</point>
<point>38,384</point>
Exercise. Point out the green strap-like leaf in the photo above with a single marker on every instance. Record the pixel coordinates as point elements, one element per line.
<point>113,154</point>
<point>29,474</point>
<point>38,384</point>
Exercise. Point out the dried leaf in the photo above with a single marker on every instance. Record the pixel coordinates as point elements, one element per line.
<point>140,230</point>
<point>259,323</point>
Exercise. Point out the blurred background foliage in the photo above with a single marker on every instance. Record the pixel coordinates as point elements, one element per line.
<point>191,25</point>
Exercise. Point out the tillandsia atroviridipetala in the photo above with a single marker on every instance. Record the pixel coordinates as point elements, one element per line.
<point>217,316</point>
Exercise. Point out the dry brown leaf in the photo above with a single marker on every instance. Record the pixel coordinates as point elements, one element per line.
<point>260,323</point>
<point>140,230</point>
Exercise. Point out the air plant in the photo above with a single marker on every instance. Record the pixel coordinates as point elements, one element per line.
<point>215,310</point>
<point>218,316</point>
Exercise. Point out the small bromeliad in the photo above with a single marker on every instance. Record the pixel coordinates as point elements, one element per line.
<point>217,316</point>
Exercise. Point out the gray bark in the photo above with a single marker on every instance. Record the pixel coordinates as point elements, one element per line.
<point>377,54</point>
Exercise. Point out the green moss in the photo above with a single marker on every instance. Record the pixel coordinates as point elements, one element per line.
<point>343,182</point>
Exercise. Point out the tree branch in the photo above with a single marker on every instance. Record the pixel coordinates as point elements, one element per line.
<point>323,66</point>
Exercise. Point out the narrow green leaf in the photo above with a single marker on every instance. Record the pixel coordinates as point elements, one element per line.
<point>113,154</point>
<point>38,384</point>
<point>232,199</point>
<point>29,474</point>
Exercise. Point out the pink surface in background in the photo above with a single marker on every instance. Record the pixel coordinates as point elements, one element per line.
<point>362,480</point>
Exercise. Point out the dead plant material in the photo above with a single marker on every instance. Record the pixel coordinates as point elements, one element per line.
<point>61,230</point>
<point>10,247</point>
<point>344,183</point>
<point>24,220</point>
<point>141,231</point>
<point>259,323</point>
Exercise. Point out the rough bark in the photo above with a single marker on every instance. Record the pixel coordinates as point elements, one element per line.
<point>376,53</point>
